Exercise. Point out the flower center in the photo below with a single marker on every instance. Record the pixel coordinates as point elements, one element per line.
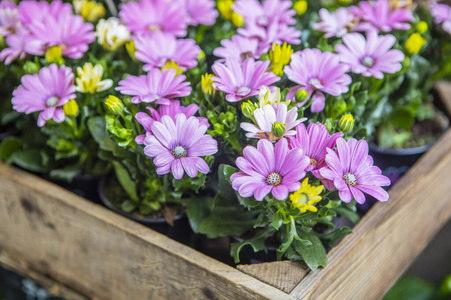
<point>313,162</point>
<point>262,21</point>
<point>274,179</point>
<point>243,91</point>
<point>304,199</point>
<point>178,151</point>
<point>314,83</point>
<point>52,101</point>
<point>246,55</point>
<point>154,27</point>
<point>350,179</point>
<point>367,61</point>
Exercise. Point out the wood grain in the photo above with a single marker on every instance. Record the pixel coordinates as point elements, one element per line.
<point>18,266</point>
<point>283,275</point>
<point>104,255</point>
<point>389,237</point>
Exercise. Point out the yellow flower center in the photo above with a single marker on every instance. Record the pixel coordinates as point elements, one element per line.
<point>313,162</point>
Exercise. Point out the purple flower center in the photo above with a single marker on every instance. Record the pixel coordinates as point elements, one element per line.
<point>315,83</point>
<point>178,151</point>
<point>243,91</point>
<point>52,101</point>
<point>367,61</point>
<point>154,27</point>
<point>274,179</point>
<point>350,179</point>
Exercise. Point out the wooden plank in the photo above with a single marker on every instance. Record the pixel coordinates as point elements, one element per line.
<point>444,93</point>
<point>18,266</point>
<point>104,255</point>
<point>283,275</point>
<point>389,237</point>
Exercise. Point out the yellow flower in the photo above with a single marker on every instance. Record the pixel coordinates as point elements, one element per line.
<point>397,4</point>
<point>172,65</point>
<point>89,79</point>
<point>111,34</point>
<point>207,84</point>
<point>225,9</point>
<point>307,196</point>
<point>114,105</point>
<point>91,11</point>
<point>422,27</point>
<point>54,54</point>
<point>346,123</point>
<point>280,56</point>
<point>300,7</point>
<point>237,20</point>
<point>414,43</point>
<point>130,46</point>
<point>71,108</point>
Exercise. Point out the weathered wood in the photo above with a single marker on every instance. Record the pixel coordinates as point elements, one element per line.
<point>17,265</point>
<point>284,274</point>
<point>104,255</point>
<point>389,237</point>
<point>444,92</point>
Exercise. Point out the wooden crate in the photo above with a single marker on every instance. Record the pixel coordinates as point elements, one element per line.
<point>47,230</point>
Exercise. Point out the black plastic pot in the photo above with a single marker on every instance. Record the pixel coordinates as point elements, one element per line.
<point>181,231</point>
<point>83,185</point>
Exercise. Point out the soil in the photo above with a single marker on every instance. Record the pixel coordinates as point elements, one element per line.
<point>428,131</point>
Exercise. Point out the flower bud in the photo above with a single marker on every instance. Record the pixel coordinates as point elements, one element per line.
<point>131,49</point>
<point>207,84</point>
<point>346,123</point>
<point>71,108</point>
<point>300,7</point>
<point>278,129</point>
<point>328,123</point>
<point>414,43</point>
<point>54,55</point>
<point>422,27</point>
<point>301,96</point>
<point>114,105</point>
<point>248,109</point>
<point>31,67</point>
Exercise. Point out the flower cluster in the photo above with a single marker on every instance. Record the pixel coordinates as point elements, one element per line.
<point>223,111</point>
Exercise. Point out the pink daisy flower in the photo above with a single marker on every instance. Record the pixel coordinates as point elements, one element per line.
<point>46,92</point>
<point>317,72</point>
<point>16,46</point>
<point>149,16</point>
<point>200,11</point>
<point>352,171</point>
<point>36,11</point>
<point>267,116</point>
<point>238,48</point>
<point>176,146</point>
<point>377,16</point>
<point>262,14</point>
<point>372,56</point>
<point>442,14</point>
<point>275,32</point>
<point>314,141</point>
<point>170,110</point>
<point>337,23</point>
<point>244,80</point>
<point>68,32</point>
<point>269,169</point>
<point>159,86</point>
<point>8,18</point>
<point>160,48</point>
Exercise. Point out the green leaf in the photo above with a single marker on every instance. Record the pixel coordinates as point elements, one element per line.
<point>67,174</point>
<point>29,159</point>
<point>126,182</point>
<point>277,219</point>
<point>97,127</point>
<point>8,146</point>
<point>226,222</point>
<point>402,118</point>
<point>257,243</point>
<point>351,215</point>
<point>314,255</point>
<point>331,238</point>
<point>128,206</point>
